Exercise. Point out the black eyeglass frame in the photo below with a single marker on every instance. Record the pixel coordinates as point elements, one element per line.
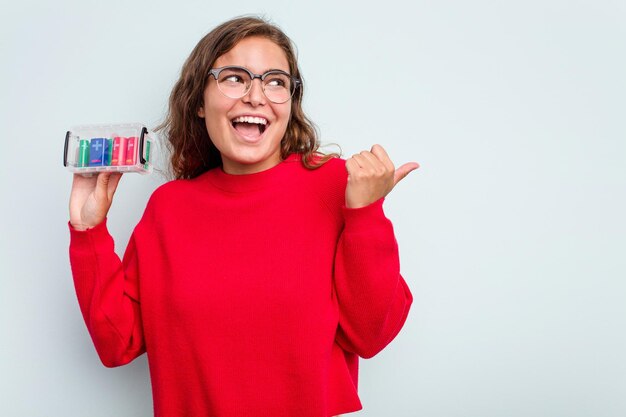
<point>215,72</point>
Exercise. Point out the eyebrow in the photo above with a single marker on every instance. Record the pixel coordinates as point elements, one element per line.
<point>267,70</point>
<point>272,69</point>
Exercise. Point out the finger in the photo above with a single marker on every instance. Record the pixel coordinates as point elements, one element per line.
<point>365,162</point>
<point>359,161</point>
<point>102,185</point>
<point>373,161</point>
<point>351,166</point>
<point>403,171</point>
<point>114,180</point>
<point>80,181</point>
<point>382,155</point>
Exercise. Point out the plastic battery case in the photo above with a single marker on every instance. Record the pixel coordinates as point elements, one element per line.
<point>115,147</point>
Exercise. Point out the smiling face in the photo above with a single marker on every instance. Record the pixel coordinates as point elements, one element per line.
<point>247,131</point>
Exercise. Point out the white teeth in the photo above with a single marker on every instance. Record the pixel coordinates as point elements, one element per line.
<point>250,119</point>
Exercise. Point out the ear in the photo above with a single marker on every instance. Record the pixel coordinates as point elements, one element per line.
<point>201,112</point>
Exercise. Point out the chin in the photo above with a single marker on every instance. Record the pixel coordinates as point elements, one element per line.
<point>250,162</point>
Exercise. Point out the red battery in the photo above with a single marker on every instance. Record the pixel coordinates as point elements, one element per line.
<point>131,150</point>
<point>119,151</point>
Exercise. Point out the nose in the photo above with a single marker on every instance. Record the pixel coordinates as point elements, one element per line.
<point>255,96</point>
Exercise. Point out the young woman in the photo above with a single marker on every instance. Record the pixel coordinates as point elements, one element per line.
<point>256,279</point>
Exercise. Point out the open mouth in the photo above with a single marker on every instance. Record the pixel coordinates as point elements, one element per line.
<point>250,126</point>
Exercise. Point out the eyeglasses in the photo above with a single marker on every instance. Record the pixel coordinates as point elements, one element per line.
<point>235,82</point>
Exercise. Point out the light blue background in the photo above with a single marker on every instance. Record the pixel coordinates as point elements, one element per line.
<point>512,234</point>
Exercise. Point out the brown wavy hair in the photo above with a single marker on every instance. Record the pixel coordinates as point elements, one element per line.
<point>192,151</point>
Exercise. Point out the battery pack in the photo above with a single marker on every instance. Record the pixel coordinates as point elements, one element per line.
<point>115,147</point>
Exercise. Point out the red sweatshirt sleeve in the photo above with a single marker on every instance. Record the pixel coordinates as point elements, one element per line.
<point>107,291</point>
<point>373,297</point>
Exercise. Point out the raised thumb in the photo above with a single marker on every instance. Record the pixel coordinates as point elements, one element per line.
<point>403,171</point>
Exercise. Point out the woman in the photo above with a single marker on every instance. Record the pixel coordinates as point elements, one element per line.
<point>256,278</point>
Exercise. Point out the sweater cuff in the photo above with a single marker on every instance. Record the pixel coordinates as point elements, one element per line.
<point>93,234</point>
<point>365,217</point>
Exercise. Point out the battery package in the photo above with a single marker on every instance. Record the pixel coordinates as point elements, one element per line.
<point>119,147</point>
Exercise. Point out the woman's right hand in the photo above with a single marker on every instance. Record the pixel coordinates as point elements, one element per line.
<point>91,198</point>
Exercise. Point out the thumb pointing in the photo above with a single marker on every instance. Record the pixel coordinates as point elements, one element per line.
<point>403,171</point>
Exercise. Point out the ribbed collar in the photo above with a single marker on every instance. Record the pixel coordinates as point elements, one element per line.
<point>250,182</point>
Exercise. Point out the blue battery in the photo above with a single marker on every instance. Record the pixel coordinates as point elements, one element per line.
<point>97,152</point>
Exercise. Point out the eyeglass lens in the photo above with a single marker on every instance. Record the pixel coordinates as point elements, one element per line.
<point>235,83</point>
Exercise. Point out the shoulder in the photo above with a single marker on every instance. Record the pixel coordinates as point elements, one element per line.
<point>165,193</point>
<point>335,168</point>
<point>167,198</point>
<point>169,202</point>
<point>329,181</point>
<point>333,171</point>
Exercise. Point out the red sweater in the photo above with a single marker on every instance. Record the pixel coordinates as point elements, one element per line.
<point>253,295</point>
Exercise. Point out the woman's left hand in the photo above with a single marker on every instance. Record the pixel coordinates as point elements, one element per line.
<point>372,175</point>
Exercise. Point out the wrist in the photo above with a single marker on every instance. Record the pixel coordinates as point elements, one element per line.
<point>80,227</point>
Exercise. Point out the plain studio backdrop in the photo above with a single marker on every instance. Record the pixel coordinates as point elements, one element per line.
<point>512,233</point>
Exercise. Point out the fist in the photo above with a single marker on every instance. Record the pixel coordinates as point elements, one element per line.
<point>372,175</point>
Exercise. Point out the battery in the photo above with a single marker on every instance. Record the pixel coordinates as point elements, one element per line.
<point>147,157</point>
<point>108,151</point>
<point>97,152</point>
<point>83,153</point>
<point>118,157</point>
<point>131,150</point>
